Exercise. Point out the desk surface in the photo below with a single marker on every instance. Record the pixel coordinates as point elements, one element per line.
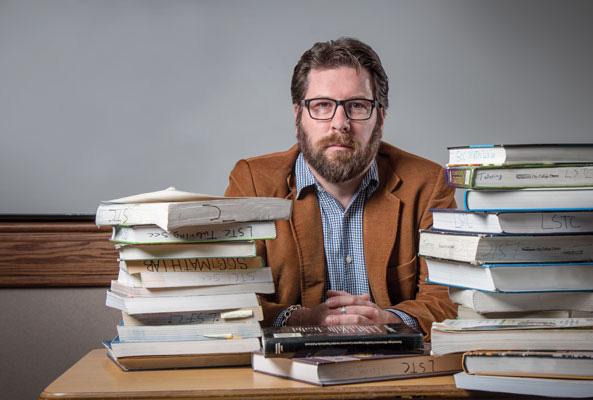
<point>96,377</point>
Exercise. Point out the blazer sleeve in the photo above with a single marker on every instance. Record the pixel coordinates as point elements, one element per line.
<point>432,302</point>
<point>241,184</point>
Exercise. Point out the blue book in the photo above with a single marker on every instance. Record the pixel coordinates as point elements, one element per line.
<point>559,199</point>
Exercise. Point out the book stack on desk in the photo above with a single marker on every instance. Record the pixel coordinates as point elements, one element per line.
<point>520,250</point>
<point>188,277</point>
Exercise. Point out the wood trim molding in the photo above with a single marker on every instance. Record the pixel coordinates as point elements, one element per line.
<point>57,252</point>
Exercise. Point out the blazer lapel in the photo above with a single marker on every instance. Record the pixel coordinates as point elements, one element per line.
<point>380,228</point>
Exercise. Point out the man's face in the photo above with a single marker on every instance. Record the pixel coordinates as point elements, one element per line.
<point>339,149</point>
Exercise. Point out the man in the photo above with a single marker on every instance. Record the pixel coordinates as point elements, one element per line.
<point>348,253</point>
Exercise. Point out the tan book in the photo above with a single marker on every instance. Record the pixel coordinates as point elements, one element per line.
<point>139,363</point>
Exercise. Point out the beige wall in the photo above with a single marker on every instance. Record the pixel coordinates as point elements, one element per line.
<point>44,331</point>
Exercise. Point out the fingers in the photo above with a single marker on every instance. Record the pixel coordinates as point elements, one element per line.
<point>346,319</point>
<point>348,300</point>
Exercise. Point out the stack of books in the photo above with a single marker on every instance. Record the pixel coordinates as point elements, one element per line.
<point>518,259</point>
<point>188,277</point>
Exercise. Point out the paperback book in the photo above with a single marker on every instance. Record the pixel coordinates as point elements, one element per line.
<point>536,364</point>
<point>307,341</point>
<point>568,334</point>
<point>478,248</point>
<point>496,222</point>
<point>489,302</point>
<point>524,200</point>
<point>355,368</point>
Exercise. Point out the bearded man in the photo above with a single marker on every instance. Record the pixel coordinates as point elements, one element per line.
<point>348,253</point>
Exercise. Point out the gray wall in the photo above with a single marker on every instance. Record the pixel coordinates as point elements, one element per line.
<point>100,99</point>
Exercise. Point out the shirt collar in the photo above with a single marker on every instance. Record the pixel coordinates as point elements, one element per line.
<point>304,178</point>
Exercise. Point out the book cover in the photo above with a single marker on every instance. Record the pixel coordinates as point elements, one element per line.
<point>303,341</point>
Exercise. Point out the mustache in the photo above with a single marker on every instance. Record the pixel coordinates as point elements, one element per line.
<point>337,139</point>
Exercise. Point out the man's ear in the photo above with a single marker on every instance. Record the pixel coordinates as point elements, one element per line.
<point>296,109</point>
<point>381,113</point>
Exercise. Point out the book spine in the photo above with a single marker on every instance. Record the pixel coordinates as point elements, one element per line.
<point>460,177</point>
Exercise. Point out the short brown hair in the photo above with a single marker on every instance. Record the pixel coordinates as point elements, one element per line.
<point>343,52</point>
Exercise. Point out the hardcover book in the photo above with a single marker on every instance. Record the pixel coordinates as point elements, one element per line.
<point>167,333</point>
<point>520,177</point>
<point>191,264</point>
<point>544,222</point>
<point>307,341</point>
<point>243,315</point>
<point>523,200</point>
<point>512,277</point>
<point>548,153</point>
<point>336,370</point>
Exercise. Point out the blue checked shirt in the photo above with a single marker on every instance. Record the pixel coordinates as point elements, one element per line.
<point>343,235</point>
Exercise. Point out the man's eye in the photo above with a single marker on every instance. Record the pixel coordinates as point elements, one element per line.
<point>323,104</point>
<point>358,105</point>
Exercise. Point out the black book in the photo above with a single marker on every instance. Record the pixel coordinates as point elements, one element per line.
<point>309,341</point>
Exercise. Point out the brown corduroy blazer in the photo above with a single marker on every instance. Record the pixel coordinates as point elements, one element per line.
<point>409,186</point>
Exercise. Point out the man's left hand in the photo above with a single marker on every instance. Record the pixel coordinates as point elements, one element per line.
<point>348,309</point>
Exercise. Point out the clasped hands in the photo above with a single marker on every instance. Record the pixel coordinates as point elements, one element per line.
<point>343,308</point>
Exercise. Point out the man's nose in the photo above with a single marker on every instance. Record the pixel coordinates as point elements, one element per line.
<point>340,121</point>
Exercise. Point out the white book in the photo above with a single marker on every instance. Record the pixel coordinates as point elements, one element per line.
<point>215,278</point>
<point>456,336</point>
<point>160,348</point>
<point>467,313</point>
<point>551,277</point>
<point>508,154</point>
<point>190,264</point>
<point>175,215</point>
<point>197,283</point>
<point>194,250</point>
<point>544,222</point>
<point>152,234</point>
<point>336,370</point>
<point>242,315</point>
<point>479,248</point>
<point>524,200</point>
<point>168,333</point>
<point>486,302</point>
<point>145,305</point>
<point>131,288</point>
<point>563,388</point>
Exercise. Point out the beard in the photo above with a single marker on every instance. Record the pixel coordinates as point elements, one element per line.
<point>344,165</point>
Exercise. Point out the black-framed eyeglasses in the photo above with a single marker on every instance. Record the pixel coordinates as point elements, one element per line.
<point>324,109</point>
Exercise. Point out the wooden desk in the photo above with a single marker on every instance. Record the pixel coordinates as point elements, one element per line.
<point>96,377</point>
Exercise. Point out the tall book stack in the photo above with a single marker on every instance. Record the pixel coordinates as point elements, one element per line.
<point>518,259</point>
<point>188,277</point>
